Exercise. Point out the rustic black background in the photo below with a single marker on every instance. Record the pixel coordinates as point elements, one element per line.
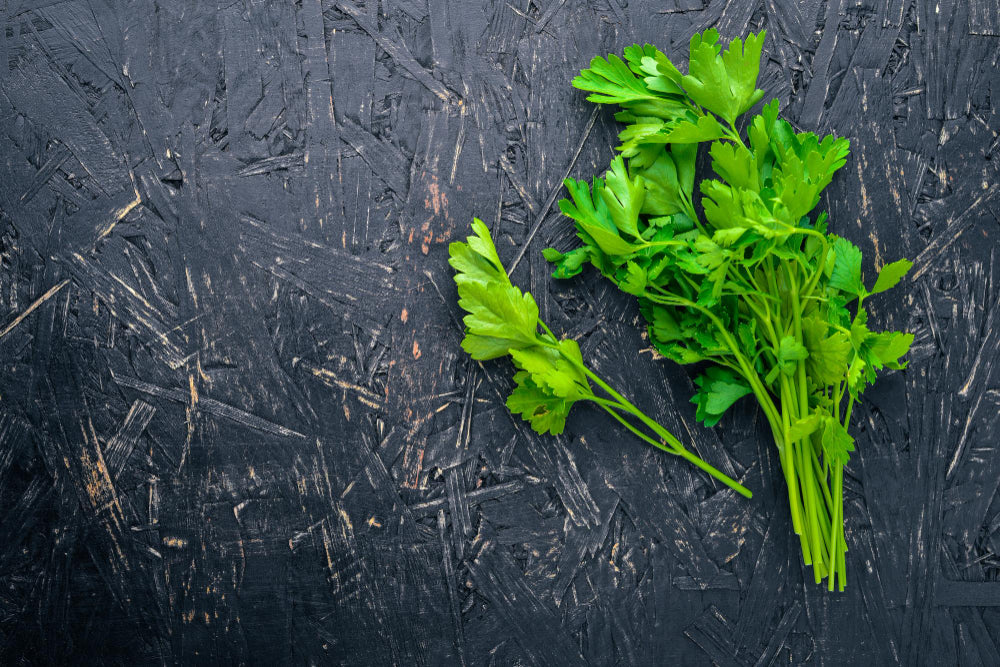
<point>236,426</point>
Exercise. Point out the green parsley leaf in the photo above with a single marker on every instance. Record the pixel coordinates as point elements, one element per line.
<point>718,389</point>
<point>611,82</point>
<point>725,85</point>
<point>691,129</point>
<point>567,264</point>
<point>805,427</point>
<point>593,219</point>
<point>662,196</point>
<point>636,279</point>
<point>555,370</point>
<point>500,319</point>
<point>828,353</point>
<point>890,275</point>
<point>623,197</point>
<point>541,408</point>
<point>846,275</point>
<point>657,71</point>
<point>886,348</point>
<point>736,164</point>
<point>837,442</point>
<point>790,352</point>
<point>477,260</point>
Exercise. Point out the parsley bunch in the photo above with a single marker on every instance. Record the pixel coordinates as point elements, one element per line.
<point>750,283</point>
<point>551,375</point>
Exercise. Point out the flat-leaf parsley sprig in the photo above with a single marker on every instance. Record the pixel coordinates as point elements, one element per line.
<point>752,286</point>
<point>551,376</point>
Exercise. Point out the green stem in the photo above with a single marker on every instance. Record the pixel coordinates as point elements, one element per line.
<point>612,407</point>
<point>717,474</point>
<point>786,452</point>
<point>815,501</point>
<point>821,476</point>
<point>837,527</point>
<point>632,409</point>
<point>834,543</point>
<point>623,403</point>
<point>812,511</point>
<point>847,413</point>
<point>554,342</point>
<point>811,285</point>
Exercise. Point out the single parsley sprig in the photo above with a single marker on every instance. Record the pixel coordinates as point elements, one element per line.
<point>551,377</point>
<point>754,287</point>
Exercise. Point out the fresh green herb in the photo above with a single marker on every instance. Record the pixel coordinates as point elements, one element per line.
<point>551,376</point>
<point>754,286</point>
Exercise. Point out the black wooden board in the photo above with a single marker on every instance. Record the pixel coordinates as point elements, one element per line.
<point>236,426</point>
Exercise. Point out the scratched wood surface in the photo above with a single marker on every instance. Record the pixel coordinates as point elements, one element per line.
<point>236,426</point>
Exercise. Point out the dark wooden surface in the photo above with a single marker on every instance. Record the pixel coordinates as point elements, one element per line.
<point>236,426</point>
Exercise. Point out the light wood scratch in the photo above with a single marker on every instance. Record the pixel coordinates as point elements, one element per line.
<point>555,191</point>
<point>30,309</point>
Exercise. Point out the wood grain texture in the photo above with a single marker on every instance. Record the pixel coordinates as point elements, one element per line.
<point>236,426</point>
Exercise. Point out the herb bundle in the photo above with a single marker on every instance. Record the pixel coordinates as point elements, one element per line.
<point>754,287</point>
<point>744,280</point>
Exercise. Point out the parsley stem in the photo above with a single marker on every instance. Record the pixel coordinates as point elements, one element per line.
<point>821,476</point>
<point>812,510</point>
<point>786,452</point>
<point>549,332</point>
<point>803,410</point>
<point>627,405</point>
<point>811,285</point>
<point>837,529</point>
<point>847,413</point>
<point>721,476</point>
<point>835,544</point>
<point>734,135</point>
<point>611,408</point>
<point>676,448</point>
<point>622,403</point>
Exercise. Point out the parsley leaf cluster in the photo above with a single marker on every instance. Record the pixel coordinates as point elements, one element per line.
<point>740,275</point>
